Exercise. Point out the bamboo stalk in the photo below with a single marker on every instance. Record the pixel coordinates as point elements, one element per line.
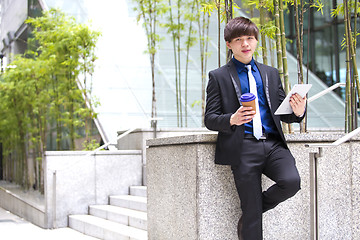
<point>298,42</point>
<point>201,25</point>
<point>150,28</point>
<point>205,60</point>
<point>187,63</point>
<point>279,50</point>
<point>299,47</point>
<point>263,37</point>
<point>175,64</point>
<point>278,40</point>
<point>152,58</point>
<point>218,5</point>
<point>348,125</point>
<point>354,64</point>
<point>284,57</point>
<point>229,16</point>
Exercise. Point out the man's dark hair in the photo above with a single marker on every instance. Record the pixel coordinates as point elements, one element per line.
<point>240,26</point>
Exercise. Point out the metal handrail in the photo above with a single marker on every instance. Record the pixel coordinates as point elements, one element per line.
<point>110,143</point>
<point>95,119</point>
<point>322,93</point>
<point>341,140</point>
<point>314,209</point>
<point>153,122</point>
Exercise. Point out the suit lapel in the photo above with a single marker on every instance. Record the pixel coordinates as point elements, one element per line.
<point>235,79</point>
<point>265,80</point>
<point>234,74</point>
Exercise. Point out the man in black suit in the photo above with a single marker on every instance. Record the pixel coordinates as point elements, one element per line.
<point>251,156</point>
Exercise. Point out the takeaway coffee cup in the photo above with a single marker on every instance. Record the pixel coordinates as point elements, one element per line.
<point>248,100</point>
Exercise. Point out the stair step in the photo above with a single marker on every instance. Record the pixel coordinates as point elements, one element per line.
<point>105,229</point>
<point>138,191</point>
<point>121,215</point>
<point>127,201</point>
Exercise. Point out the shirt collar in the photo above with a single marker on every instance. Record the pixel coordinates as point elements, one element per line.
<point>241,66</point>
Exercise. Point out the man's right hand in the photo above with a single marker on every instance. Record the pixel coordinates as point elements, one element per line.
<point>242,115</point>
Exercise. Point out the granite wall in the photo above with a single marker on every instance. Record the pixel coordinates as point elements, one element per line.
<point>189,197</point>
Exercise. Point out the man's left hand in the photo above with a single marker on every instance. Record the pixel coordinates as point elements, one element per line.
<point>297,104</point>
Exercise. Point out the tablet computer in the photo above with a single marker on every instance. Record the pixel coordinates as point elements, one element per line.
<point>301,89</point>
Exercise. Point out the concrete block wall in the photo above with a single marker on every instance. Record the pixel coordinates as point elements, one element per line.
<point>189,197</point>
<point>34,213</point>
<point>73,181</point>
<point>136,140</point>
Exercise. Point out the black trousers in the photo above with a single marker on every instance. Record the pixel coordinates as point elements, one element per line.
<point>271,158</point>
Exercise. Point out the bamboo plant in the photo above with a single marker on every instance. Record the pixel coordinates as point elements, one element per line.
<point>352,79</point>
<point>39,91</point>
<point>149,11</point>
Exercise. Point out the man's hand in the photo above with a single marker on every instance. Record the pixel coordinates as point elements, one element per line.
<point>242,115</point>
<point>297,104</point>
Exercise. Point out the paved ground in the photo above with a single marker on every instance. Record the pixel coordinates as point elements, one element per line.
<point>15,228</point>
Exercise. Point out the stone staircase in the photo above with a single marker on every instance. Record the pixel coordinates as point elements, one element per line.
<point>124,218</point>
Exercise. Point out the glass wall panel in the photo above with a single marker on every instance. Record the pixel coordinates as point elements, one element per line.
<point>323,46</point>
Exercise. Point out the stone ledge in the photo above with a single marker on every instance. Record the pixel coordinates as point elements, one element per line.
<point>323,137</point>
<point>165,130</point>
<point>105,152</point>
<point>210,137</point>
<point>186,139</point>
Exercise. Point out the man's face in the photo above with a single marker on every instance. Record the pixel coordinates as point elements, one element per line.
<point>243,48</point>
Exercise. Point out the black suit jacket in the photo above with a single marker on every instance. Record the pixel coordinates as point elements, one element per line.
<point>222,101</point>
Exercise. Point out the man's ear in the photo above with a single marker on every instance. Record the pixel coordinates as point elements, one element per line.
<point>228,45</point>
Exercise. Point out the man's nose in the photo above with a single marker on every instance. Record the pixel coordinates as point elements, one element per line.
<point>245,43</point>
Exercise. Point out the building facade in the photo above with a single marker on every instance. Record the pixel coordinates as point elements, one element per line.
<point>122,78</point>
